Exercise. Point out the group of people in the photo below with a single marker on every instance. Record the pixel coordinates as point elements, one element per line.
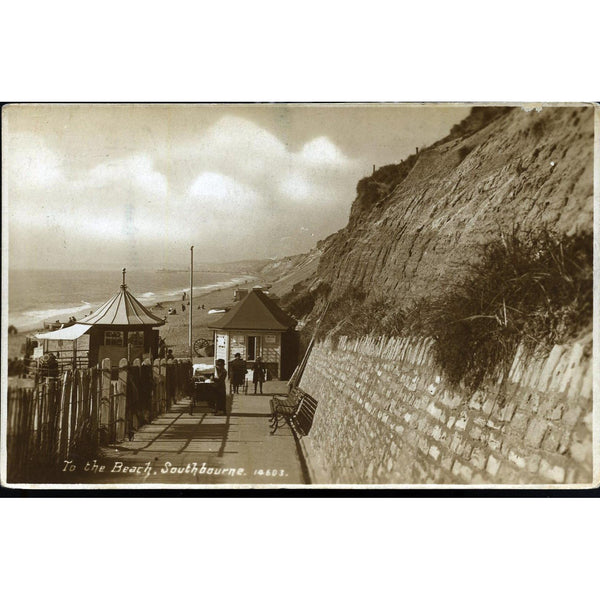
<point>48,365</point>
<point>237,378</point>
<point>238,373</point>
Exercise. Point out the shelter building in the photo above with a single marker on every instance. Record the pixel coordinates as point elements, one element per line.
<point>122,328</point>
<point>70,345</point>
<point>255,327</point>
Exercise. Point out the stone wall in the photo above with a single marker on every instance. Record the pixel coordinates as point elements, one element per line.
<point>386,416</point>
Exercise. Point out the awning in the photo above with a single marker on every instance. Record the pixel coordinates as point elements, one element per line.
<point>68,333</point>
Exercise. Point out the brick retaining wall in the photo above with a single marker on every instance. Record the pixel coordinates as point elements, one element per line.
<point>386,416</point>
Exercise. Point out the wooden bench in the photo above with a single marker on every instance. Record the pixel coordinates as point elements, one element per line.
<point>297,409</point>
<point>288,400</point>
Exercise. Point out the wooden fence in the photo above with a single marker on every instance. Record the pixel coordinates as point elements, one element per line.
<point>69,417</point>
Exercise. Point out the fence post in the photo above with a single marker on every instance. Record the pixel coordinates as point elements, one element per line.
<point>85,393</point>
<point>155,387</point>
<point>48,425</point>
<point>73,410</point>
<point>65,398</point>
<point>121,401</point>
<point>133,395</point>
<point>146,389</point>
<point>168,382</point>
<point>105,401</point>
<point>162,364</point>
<point>94,408</point>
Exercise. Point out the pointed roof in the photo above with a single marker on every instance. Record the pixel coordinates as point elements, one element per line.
<point>122,309</point>
<point>255,311</point>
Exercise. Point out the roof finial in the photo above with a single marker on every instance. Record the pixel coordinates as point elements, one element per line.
<point>124,286</point>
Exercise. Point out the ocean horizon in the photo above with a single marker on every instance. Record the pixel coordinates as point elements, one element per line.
<point>38,295</point>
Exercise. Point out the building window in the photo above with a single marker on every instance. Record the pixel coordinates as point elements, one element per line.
<point>114,338</point>
<point>136,338</point>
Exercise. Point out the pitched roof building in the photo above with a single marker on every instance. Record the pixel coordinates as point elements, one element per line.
<point>255,311</point>
<point>255,327</point>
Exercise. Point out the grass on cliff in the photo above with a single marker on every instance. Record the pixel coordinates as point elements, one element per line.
<point>533,287</point>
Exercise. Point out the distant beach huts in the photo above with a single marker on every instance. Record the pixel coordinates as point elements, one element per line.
<point>239,294</point>
<point>254,327</point>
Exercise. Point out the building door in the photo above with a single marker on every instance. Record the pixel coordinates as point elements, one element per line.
<point>252,347</point>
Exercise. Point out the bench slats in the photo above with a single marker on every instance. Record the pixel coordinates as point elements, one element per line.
<point>297,409</point>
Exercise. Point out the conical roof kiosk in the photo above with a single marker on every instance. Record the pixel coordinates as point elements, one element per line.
<point>122,328</point>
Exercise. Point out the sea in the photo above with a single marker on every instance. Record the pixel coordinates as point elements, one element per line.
<point>35,296</point>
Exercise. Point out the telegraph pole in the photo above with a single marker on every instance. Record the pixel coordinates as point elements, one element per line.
<point>191,311</point>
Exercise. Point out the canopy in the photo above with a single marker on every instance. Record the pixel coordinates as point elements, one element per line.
<point>67,333</point>
<point>122,309</point>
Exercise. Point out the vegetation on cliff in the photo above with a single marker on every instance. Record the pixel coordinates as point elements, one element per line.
<point>530,287</point>
<point>533,288</point>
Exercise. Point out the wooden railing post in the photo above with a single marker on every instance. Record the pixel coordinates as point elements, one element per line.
<point>146,389</point>
<point>105,415</point>
<point>49,424</point>
<point>133,395</point>
<point>94,404</point>
<point>65,399</point>
<point>73,409</point>
<point>155,387</point>
<point>162,365</point>
<point>121,401</point>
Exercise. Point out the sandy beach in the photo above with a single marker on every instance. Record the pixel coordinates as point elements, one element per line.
<point>175,330</point>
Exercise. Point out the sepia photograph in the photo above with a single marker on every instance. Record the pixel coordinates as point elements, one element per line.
<point>298,295</point>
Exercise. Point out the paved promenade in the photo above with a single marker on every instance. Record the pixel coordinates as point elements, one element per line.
<point>203,448</point>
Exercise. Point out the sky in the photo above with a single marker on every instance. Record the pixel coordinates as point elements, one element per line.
<point>102,186</point>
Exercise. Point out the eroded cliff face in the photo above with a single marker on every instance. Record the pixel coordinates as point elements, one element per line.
<point>519,169</point>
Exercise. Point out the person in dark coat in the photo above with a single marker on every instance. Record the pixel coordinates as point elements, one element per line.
<point>49,365</point>
<point>238,370</point>
<point>259,375</point>
<point>220,380</point>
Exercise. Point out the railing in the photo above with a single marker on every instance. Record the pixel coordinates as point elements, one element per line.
<point>35,369</point>
<point>72,415</point>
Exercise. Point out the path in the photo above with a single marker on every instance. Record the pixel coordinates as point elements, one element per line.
<point>203,448</point>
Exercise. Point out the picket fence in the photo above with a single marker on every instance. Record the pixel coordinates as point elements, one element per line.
<point>71,416</point>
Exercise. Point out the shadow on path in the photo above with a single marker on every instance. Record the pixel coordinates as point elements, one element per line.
<point>204,448</point>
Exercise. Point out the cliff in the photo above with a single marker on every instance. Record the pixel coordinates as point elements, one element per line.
<point>514,168</point>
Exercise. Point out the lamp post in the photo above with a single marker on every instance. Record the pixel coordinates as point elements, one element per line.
<point>191,311</point>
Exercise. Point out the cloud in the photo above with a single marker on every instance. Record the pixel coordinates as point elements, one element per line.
<point>31,164</point>
<point>322,152</point>
<point>235,187</point>
<point>296,187</point>
<point>254,157</point>
<point>215,191</point>
<point>134,171</point>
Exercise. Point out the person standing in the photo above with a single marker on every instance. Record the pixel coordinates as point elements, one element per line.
<point>238,372</point>
<point>259,375</point>
<point>220,380</point>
